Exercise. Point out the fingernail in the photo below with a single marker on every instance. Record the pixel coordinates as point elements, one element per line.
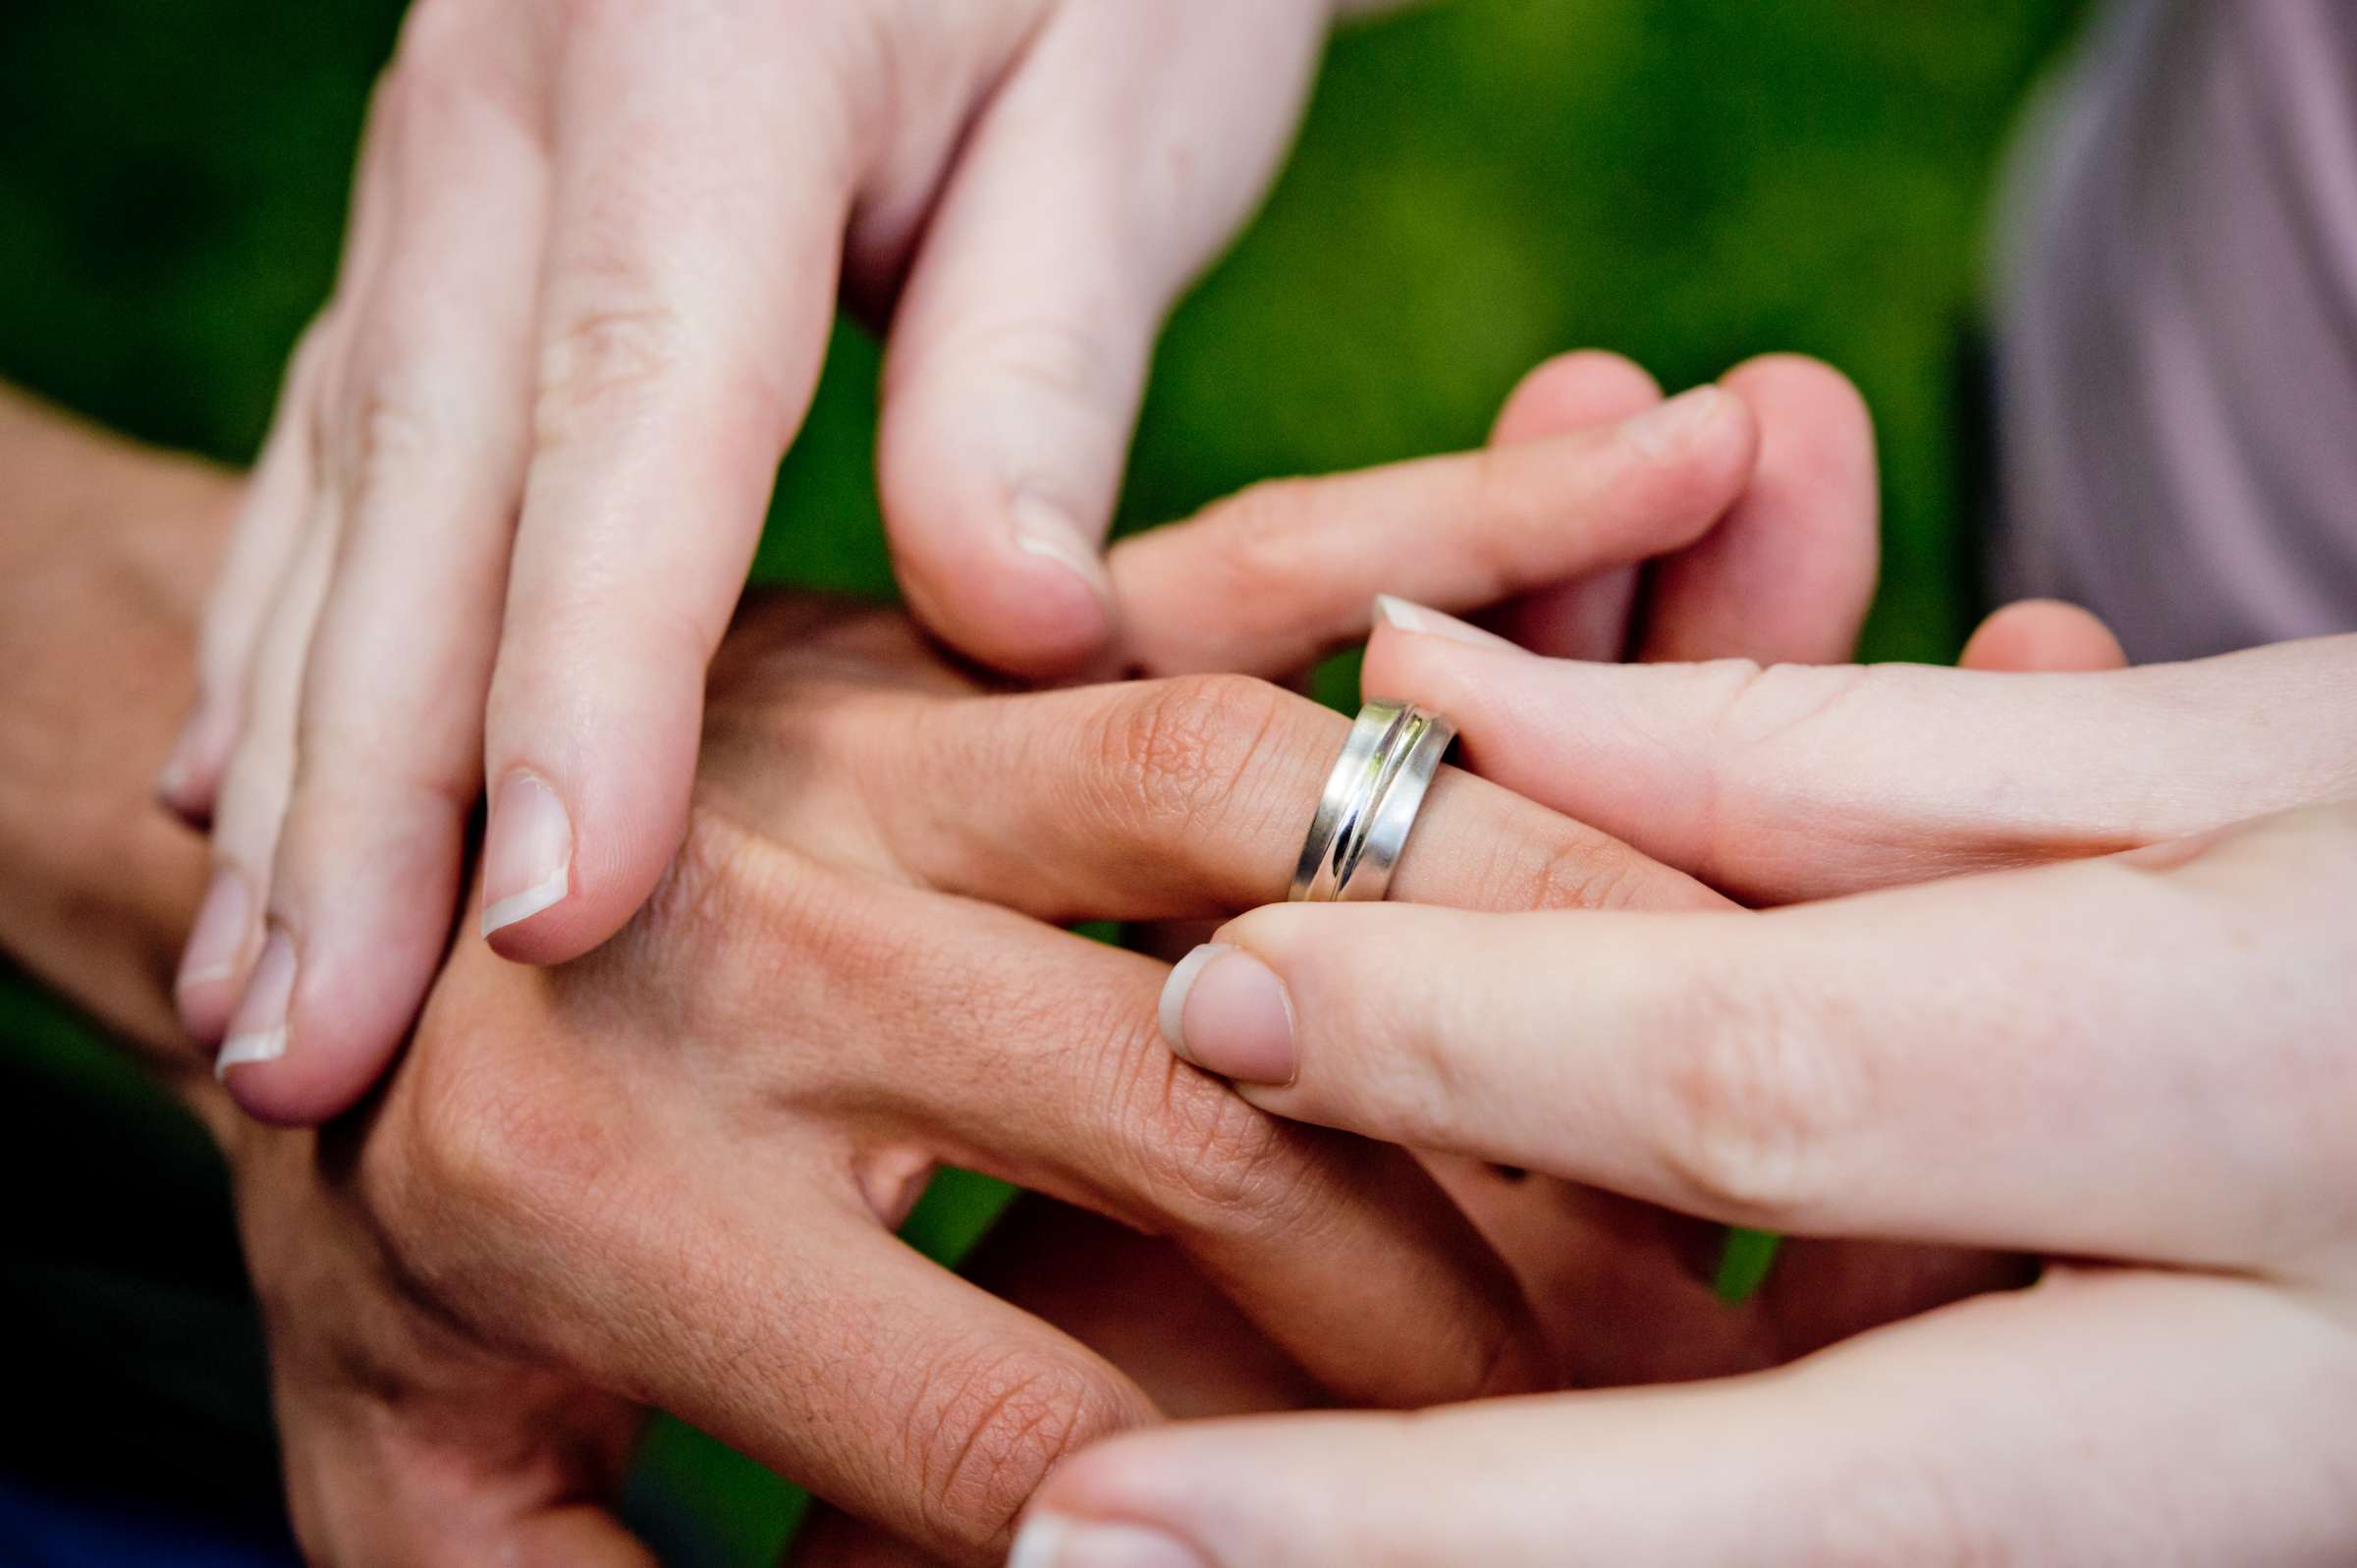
<point>223,922</point>
<point>1417,618</point>
<point>1052,1541</point>
<point>527,852</point>
<point>257,1030</point>
<point>1227,1012</point>
<point>1045,529</point>
<point>1665,429</point>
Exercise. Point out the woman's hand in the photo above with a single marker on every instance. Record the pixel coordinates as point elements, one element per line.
<point>2141,1056</point>
<point>521,461</point>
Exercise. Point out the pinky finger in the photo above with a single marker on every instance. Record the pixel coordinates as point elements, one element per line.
<point>2061,1425</point>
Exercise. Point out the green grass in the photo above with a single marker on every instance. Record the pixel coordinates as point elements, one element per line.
<point>1479,185</point>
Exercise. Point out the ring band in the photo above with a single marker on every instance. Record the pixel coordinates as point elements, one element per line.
<point>1370,802</point>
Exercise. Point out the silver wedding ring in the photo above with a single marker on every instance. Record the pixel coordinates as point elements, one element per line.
<point>1370,802</point>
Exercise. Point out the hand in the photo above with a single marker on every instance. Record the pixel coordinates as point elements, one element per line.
<point>103,548</point>
<point>1621,1289</point>
<point>424,1418</point>
<point>668,1173</point>
<point>522,463</point>
<point>2138,1056</point>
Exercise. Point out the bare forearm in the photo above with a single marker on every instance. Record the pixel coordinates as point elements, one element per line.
<point>105,553</point>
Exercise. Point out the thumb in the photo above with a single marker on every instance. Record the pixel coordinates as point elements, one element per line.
<point>1125,149</point>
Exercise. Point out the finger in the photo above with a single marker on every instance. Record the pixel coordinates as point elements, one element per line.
<point>227,945</point>
<point>1341,1251</point>
<point>1274,576</point>
<point>1965,1436</point>
<point>1588,617</point>
<point>1791,782</point>
<point>685,308</point>
<point>1788,573</point>
<point>1164,800</point>
<point>269,526</point>
<point>2043,634</point>
<point>1626,1292</point>
<point>1132,1299</point>
<point>1121,152</point>
<point>427,444</point>
<point>1136,1300</point>
<point>1914,1062</point>
<point>902,1393</point>
<point>280,503</point>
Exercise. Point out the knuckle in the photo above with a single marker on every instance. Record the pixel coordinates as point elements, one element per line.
<point>460,66</point>
<point>1171,752</point>
<point>1583,873</point>
<point>1208,1159</point>
<point>1253,538</point>
<point>1896,1507</point>
<point>1750,711</point>
<point>1061,364</point>
<point>386,438</point>
<point>1760,705</point>
<point>1751,1102</point>
<point>989,1427</point>
<point>619,342</point>
<point>479,1151</point>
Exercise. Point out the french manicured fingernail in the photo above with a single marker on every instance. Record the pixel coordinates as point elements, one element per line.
<point>1227,1012</point>
<point>1665,429</point>
<point>1409,617</point>
<point>527,852</point>
<point>257,1030</point>
<point>219,933</point>
<point>1045,529</point>
<point>1052,1541</point>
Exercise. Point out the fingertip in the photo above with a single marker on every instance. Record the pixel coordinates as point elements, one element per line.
<point>1572,390</point>
<point>1705,441</point>
<point>218,953</point>
<point>2043,634</point>
<point>551,892</point>
<point>319,1024</point>
<point>1788,573</point>
<point>1799,378</point>
<point>1435,670</point>
<point>189,780</point>
<point>1028,596</point>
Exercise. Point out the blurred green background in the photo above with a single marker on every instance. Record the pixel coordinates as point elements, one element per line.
<point>1479,185</point>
